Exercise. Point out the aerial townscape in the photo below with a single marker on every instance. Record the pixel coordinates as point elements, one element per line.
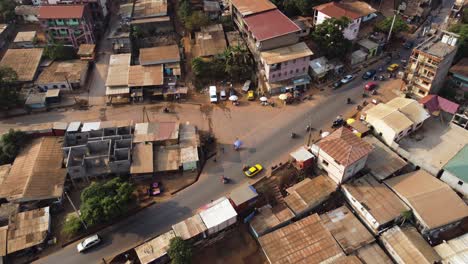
<point>234,131</point>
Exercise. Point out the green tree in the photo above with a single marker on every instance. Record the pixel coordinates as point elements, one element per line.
<point>400,25</point>
<point>101,202</point>
<point>184,10</point>
<point>7,10</point>
<point>199,67</point>
<point>9,96</point>
<point>329,37</point>
<point>196,20</point>
<point>58,51</point>
<point>71,226</point>
<point>462,30</point>
<point>238,63</point>
<point>180,251</point>
<point>10,145</point>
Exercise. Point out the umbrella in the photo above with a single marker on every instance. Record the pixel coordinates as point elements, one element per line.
<point>324,134</point>
<point>263,99</point>
<point>237,143</point>
<point>283,96</point>
<point>233,98</point>
<point>350,121</point>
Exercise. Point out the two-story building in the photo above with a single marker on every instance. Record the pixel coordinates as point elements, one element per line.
<point>356,11</point>
<point>69,24</point>
<point>341,154</point>
<point>98,8</point>
<point>286,63</point>
<point>429,63</point>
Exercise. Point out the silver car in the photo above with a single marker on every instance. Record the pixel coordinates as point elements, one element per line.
<point>88,243</point>
<point>347,79</point>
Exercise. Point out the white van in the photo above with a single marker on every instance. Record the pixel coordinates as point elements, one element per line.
<point>213,95</point>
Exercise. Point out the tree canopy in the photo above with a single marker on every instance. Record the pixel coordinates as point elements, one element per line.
<point>400,25</point>
<point>9,96</point>
<point>329,37</point>
<point>180,251</point>
<point>462,30</point>
<point>7,10</point>
<point>10,145</point>
<point>295,7</point>
<point>101,202</point>
<point>58,51</point>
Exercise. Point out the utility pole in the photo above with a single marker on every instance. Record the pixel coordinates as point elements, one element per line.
<point>76,211</point>
<point>391,27</point>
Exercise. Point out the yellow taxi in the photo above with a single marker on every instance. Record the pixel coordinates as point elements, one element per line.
<point>250,95</point>
<point>254,170</point>
<point>393,67</point>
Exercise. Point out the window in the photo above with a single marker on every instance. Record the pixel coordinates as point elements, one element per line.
<point>324,162</point>
<point>279,74</point>
<point>285,63</point>
<point>337,162</point>
<point>63,86</point>
<point>303,69</point>
<point>55,86</point>
<point>355,30</point>
<point>291,72</point>
<point>273,76</point>
<point>460,183</point>
<point>285,73</point>
<point>297,70</point>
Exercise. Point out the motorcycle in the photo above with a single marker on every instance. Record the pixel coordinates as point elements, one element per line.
<point>225,180</point>
<point>293,135</point>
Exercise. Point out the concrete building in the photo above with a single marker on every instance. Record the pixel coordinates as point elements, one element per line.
<point>341,154</point>
<point>406,245</point>
<point>210,41</point>
<point>167,56</point>
<point>395,119</point>
<point>356,11</point>
<point>429,63</point>
<point>98,8</point>
<point>263,25</point>
<point>120,34</point>
<point>151,16</point>
<point>269,218</point>
<point>71,24</point>
<point>286,63</point>
<point>417,9</point>
<point>376,205</point>
<point>455,172</point>
<point>436,207</point>
<point>459,78</point>
<point>98,149</point>
<point>63,75</point>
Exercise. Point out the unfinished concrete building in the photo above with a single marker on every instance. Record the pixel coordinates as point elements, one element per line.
<point>97,150</point>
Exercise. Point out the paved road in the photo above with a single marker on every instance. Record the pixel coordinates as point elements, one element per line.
<point>268,143</point>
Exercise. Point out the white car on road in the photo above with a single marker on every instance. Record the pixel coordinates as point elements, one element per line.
<point>88,243</point>
<point>347,78</point>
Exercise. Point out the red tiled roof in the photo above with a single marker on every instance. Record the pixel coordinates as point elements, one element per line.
<point>61,11</point>
<point>270,24</point>
<point>344,146</point>
<point>350,9</point>
<point>461,68</point>
<point>435,103</point>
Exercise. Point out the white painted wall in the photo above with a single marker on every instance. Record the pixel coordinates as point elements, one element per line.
<point>452,181</point>
<point>350,32</point>
<point>337,172</point>
<point>365,215</point>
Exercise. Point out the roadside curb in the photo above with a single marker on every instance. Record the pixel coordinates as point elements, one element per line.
<point>121,218</point>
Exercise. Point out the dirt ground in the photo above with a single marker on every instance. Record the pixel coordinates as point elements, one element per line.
<point>170,183</point>
<point>237,248</point>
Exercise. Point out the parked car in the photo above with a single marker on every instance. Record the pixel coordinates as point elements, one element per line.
<point>337,84</point>
<point>393,67</point>
<point>370,86</point>
<point>408,44</point>
<point>347,78</point>
<point>254,170</point>
<point>232,91</point>
<point>222,95</point>
<point>213,95</point>
<point>369,74</point>
<point>88,243</point>
<point>250,95</point>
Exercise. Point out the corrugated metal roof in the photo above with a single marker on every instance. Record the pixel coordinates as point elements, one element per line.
<point>373,253</point>
<point>36,173</point>
<point>288,53</point>
<point>346,229</point>
<point>3,240</point>
<point>249,7</point>
<point>434,203</point>
<point>461,68</point>
<point>159,55</point>
<point>90,126</point>
<point>4,171</point>
<point>218,213</point>
<point>23,61</point>
<point>149,8</point>
<point>141,76</point>
<point>304,241</point>
<point>454,251</point>
<point>189,154</point>
<point>61,11</point>
<point>156,131</point>
<point>119,65</point>
<point>142,158</point>
<point>382,161</point>
<point>190,227</point>
<point>269,217</point>
<point>381,203</point>
<point>242,194</point>
<point>74,126</point>
<point>301,154</point>
<point>155,248</point>
<point>25,36</point>
<point>344,146</point>
<point>349,8</point>
<point>458,165</point>
<point>408,245</point>
<point>167,158</point>
<point>270,24</point>
<point>410,108</point>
